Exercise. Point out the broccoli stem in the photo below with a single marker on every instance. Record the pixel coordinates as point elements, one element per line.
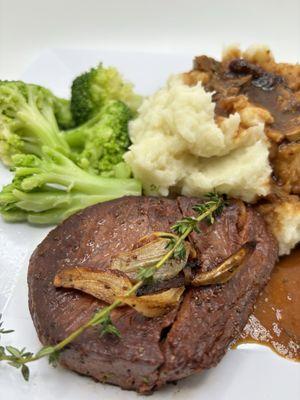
<point>50,189</point>
<point>43,127</point>
<point>84,183</point>
<point>49,208</point>
<point>75,138</point>
<point>41,201</point>
<point>57,169</point>
<point>14,215</point>
<point>31,148</point>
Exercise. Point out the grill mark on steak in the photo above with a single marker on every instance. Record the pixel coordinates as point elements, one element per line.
<point>152,351</point>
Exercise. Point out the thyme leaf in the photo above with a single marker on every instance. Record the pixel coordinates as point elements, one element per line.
<point>53,358</point>
<point>145,274</point>
<point>25,372</point>
<point>2,330</point>
<point>185,224</point>
<point>107,326</point>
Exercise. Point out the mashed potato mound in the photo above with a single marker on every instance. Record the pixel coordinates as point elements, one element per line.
<point>179,145</point>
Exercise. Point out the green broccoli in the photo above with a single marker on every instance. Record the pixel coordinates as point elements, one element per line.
<point>49,189</point>
<point>55,170</point>
<point>27,120</point>
<point>62,112</point>
<point>91,90</point>
<point>102,141</point>
<point>7,204</point>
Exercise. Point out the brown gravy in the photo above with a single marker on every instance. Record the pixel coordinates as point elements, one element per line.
<point>275,321</point>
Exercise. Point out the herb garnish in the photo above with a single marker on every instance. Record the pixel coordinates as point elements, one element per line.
<point>205,211</point>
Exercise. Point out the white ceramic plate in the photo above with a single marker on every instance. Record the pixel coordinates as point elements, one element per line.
<point>251,372</point>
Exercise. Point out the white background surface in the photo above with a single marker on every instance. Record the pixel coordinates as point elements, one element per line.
<point>27,28</point>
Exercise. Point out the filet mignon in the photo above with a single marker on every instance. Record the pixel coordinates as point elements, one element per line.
<point>151,351</point>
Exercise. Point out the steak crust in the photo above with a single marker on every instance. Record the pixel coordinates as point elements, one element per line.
<point>151,351</point>
<point>211,317</point>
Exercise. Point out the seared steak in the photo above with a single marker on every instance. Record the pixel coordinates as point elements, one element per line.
<point>151,351</point>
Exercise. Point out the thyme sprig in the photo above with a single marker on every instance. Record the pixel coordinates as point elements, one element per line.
<point>186,224</point>
<point>205,211</point>
<point>145,274</point>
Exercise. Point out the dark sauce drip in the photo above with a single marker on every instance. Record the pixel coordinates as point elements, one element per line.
<point>263,88</point>
<point>269,91</point>
<point>275,321</point>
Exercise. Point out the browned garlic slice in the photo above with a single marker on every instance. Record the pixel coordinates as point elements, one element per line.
<point>105,284</point>
<point>225,271</point>
<point>154,305</point>
<point>108,285</point>
<point>147,255</point>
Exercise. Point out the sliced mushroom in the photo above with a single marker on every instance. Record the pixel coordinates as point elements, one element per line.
<point>105,284</point>
<point>155,305</point>
<point>146,256</point>
<point>293,134</point>
<point>226,270</point>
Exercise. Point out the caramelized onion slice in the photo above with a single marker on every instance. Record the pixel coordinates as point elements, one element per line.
<point>147,255</point>
<point>154,305</point>
<point>104,284</point>
<point>226,270</point>
<point>153,236</point>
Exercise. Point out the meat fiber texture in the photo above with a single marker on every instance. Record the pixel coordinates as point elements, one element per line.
<point>151,351</point>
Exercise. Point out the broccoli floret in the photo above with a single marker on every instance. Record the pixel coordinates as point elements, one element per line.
<point>91,90</point>
<point>27,120</point>
<point>11,143</point>
<point>62,112</point>
<point>50,183</point>
<point>49,189</point>
<point>102,141</point>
